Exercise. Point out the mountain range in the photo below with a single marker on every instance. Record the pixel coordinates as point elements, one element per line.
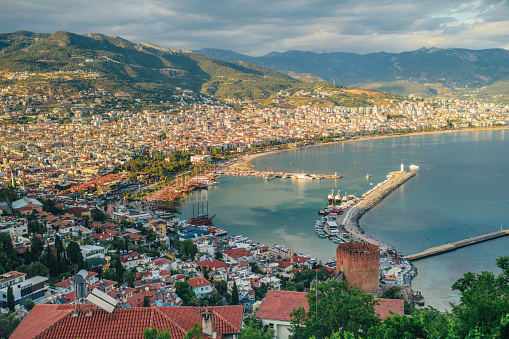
<point>428,71</point>
<point>157,71</point>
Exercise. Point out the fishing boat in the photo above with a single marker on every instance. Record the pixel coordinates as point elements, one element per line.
<point>413,167</point>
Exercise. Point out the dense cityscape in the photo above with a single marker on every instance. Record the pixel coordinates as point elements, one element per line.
<point>97,157</point>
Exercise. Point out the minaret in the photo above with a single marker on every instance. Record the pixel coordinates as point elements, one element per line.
<point>291,254</point>
<point>13,183</point>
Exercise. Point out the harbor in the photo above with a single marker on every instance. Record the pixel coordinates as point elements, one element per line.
<point>457,244</point>
<point>345,211</point>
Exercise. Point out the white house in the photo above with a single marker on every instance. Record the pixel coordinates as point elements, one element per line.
<point>276,307</point>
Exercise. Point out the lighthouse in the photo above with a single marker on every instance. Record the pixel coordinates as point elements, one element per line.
<point>402,167</point>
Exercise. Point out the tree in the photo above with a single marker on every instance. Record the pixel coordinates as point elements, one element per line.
<point>8,323</point>
<point>146,302</point>
<point>119,270</point>
<point>29,304</point>
<point>398,327</point>
<point>153,333</point>
<point>188,249</point>
<point>10,299</point>
<point>185,292</point>
<point>37,268</point>
<point>235,294</point>
<point>484,301</point>
<point>195,332</point>
<point>37,247</point>
<point>73,252</point>
<point>130,277</point>
<point>339,309</point>
<point>253,329</point>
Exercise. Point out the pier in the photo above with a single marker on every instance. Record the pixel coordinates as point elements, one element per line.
<point>457,244</point>
<point>254,173</point>
<point>370,200</point>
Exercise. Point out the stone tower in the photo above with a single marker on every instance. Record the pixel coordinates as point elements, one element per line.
<point>359,263</point>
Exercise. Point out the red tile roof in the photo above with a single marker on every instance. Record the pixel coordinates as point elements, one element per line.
<point>211,264</point>
<point>57,321</point>
<point>238,253</point>
<point>198,282</point>
<point>277,305</point>
<point>386,305</point>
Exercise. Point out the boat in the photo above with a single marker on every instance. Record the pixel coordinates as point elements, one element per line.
<point>203,218</point>
<point>413,167</point>
<point>269,177</point>
<point>303,176</point>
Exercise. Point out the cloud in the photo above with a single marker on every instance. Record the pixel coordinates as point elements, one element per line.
<point>258,27</point>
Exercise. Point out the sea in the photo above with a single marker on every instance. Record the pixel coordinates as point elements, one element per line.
<point>461,190</point>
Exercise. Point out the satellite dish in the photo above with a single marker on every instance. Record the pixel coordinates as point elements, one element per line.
<point>146,288</point>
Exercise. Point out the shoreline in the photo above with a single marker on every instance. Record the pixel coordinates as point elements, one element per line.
<point>245,162</point>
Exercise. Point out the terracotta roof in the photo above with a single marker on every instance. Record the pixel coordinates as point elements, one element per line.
<point>277,305</point>
<point>160,261</point>
<point>198,282</point>
<point>284,264</point>
<point>211,264</point>
<point>57,321</point>
<point>386,305</point>
<point>238,253</point>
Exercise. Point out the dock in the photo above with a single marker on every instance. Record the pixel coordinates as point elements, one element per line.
<point>283,175</point>
<point>457,244</point>
<point>370,200</point>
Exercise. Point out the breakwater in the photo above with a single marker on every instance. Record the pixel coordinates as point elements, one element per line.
<point>457,244</point>
<point>370,200</point>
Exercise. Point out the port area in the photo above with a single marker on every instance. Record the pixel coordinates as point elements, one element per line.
<point>339,223</point>
<point>369,200</point>
<point>340,220</point>
<point>249,172</point>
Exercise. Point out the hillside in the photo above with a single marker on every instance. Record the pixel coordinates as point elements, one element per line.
<point>115,64</point>
<point>425,71</point>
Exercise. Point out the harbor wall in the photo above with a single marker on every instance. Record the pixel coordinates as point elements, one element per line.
<point>351,220</point>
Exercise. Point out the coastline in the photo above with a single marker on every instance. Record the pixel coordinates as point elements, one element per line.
<point>247,159</point>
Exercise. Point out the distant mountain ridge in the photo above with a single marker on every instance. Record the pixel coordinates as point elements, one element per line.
<point>158,73</point>
<point>452,68</point>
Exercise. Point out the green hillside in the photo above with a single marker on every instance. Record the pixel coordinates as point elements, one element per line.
<point>115,64</point>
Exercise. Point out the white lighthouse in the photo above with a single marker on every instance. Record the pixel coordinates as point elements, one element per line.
<point>402,167</point>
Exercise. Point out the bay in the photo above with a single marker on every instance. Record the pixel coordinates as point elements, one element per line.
<point>461,190</point>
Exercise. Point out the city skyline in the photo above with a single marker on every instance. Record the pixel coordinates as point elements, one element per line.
<point>259,28</point>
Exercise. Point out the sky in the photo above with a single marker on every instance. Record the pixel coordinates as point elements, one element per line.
<point>258,27</point>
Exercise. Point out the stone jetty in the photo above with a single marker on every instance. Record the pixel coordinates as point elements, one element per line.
<point>370,200</point>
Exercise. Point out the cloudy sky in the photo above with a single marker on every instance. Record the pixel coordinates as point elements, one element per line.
<point>257,27</point>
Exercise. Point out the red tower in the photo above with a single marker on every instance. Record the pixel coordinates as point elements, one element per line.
<point>359,264</point>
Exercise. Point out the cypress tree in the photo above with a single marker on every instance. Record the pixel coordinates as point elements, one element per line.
<point>235,294</point>
<point>10,299</point>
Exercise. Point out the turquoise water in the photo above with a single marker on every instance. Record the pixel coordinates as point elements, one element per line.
<point>461,190</point>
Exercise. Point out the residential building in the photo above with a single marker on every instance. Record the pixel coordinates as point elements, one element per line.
<point>22,288</point>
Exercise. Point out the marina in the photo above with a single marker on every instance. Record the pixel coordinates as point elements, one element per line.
<point>451,196</point>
